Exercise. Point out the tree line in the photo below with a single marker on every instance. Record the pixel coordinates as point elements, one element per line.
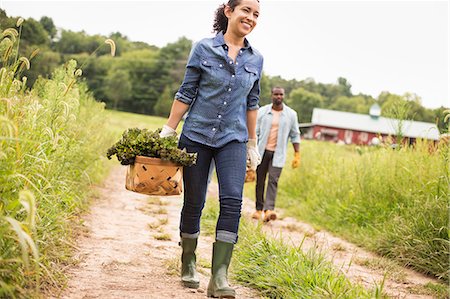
<point>143,78</point>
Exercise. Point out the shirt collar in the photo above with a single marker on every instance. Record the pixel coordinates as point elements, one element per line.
<point>220,41</point>
<point>282,110</point>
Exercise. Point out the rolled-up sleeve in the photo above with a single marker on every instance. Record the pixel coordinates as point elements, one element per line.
<point>294,132</point>
<point>189,88</point>
<point>253,96</point>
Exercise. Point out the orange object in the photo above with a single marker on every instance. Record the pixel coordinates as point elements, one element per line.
<point>269,215</point>
<point>296,160</point>
<point>257,215</point>
<point>153,176</point>
<point>250,176</point>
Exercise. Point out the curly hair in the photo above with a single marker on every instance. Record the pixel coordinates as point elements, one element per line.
<point>220,20</point>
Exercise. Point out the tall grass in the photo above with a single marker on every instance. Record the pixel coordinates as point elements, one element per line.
<point>393,202</point>
<point>52,139</point>
<point>282,271</point>
<point>279,270</point>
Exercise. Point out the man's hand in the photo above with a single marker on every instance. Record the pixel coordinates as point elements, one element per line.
<point>167,132</point>
<point>296,161</point>
<point>253,157</point>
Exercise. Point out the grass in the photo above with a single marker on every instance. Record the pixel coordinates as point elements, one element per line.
<point>281,271</point>
<point>163,237</point>
<point>392,270</point>
<point>119,121</point>
<point>435,290</point>
<point>392,202</point>
<point>52,140</point>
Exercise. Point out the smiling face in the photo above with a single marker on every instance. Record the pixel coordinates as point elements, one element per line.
<point>243,18</point>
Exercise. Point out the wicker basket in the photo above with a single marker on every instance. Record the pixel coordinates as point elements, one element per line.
<point>153,176</point>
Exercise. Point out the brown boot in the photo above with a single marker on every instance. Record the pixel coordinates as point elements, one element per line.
<point>257,215</point>
<point>269,215</point>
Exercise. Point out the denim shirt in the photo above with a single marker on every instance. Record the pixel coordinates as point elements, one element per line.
<point>287,129</point>
<point>219,91</point>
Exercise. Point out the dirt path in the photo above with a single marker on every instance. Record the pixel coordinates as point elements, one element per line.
<point>358,265</point>
<point>130,250</point>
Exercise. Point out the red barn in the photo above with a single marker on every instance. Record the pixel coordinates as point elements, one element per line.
<point>363,129</point>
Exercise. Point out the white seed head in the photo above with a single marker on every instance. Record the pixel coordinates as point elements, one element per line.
<point>11,32</point>
<point>447,117</point>
<point>19,22</point>
<point>112,44</point>
<point>25,62</point>
<point>78,73</point>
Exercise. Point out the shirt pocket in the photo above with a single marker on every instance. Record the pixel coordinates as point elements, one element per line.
<point>249,75</point>
<point>212,71</point>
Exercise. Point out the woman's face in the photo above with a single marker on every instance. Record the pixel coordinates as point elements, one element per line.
<point>243,18</point>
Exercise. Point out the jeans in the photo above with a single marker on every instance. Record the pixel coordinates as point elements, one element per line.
<point>272,183</point>
<point>230,161</point>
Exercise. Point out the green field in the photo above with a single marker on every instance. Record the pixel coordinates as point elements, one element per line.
<point>53,142</point>
<point>392,202</point>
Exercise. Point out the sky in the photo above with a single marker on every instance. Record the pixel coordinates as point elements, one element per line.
<point>394,46</point>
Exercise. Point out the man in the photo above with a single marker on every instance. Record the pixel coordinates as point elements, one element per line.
<point>276,124</point>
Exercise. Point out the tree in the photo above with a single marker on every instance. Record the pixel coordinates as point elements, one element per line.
<point>397,108</point>
<point>48,25</point>
<point>43,64</point>
<point>173,58</point>
<point>33,33</point>
<point>356,104</point>
<point>5,21</point>
<point>164,103</point>
<point>304,102</point>
<point>439,115</point>
<point>117,87</point>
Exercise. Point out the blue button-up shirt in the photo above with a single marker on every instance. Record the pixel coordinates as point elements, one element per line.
<point>287,129</point>
<point>219,91</point>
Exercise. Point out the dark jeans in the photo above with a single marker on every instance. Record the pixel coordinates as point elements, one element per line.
<point>272,183</point>
<point>230,162</point>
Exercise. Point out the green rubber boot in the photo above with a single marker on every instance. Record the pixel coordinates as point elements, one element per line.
<point>189,275</point>
<point>218,286</point>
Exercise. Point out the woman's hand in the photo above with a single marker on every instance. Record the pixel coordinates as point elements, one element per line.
<point>253,157</point>
<point>167,132</point>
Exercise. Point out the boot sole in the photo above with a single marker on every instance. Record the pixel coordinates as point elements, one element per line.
<point>191,284</point>
<point>221,294</point>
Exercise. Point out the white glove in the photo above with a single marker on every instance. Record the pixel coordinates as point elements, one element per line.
<point>253,157</point>
<point>167,132</point>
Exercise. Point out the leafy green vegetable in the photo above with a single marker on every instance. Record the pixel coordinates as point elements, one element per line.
<point>142,142</point>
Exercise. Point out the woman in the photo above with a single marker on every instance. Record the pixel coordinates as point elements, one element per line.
<point>221,91</point>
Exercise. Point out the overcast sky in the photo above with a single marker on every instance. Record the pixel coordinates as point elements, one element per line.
<point>395,46</point>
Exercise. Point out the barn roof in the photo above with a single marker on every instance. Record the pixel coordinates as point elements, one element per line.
<point>367,123</point>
